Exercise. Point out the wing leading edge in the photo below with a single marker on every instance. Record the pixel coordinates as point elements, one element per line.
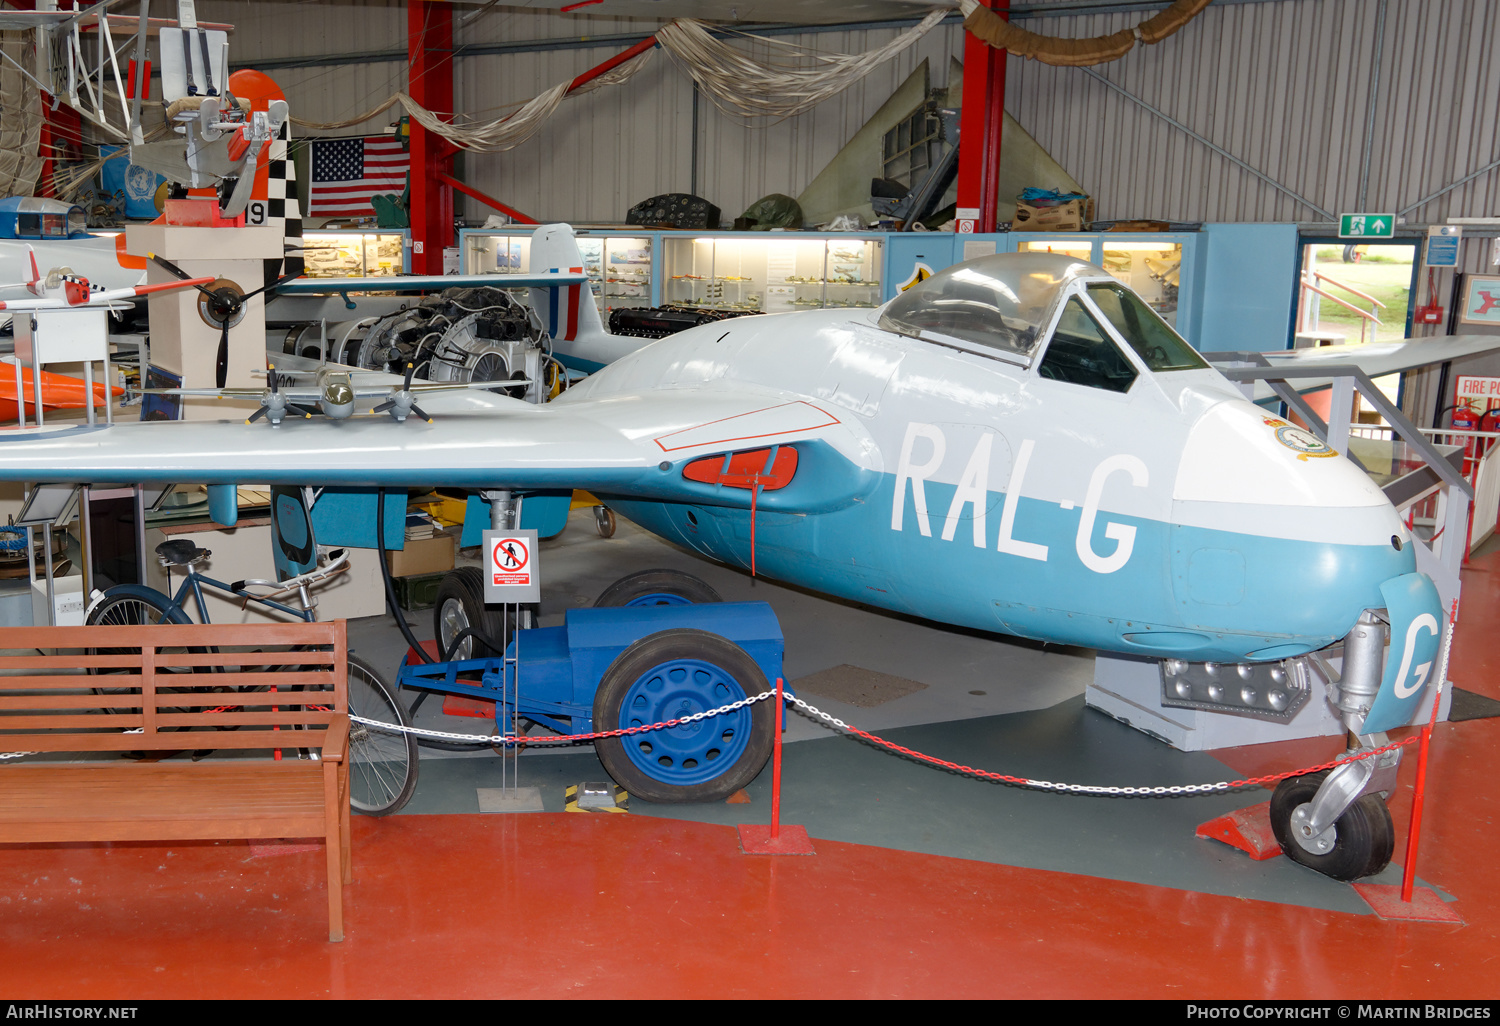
<point>636,446</point>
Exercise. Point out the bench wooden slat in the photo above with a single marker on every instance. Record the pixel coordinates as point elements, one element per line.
<point>119,792</point>
<point>173,741</point>
<point>124,660</point>
<point>172,635</point>
<point>216,659</point>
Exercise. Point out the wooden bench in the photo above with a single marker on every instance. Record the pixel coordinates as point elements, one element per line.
<point>235,689</point>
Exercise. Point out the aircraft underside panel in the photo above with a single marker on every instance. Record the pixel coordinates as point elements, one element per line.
<point>1152,588</point>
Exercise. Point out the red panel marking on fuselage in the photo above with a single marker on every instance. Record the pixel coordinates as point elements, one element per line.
<point>747,469</point>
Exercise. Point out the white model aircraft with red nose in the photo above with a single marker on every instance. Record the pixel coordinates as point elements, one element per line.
<point>61,289</point>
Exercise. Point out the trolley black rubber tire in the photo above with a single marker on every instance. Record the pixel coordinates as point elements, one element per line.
<point>652,652</point>
<point>460,604</point>
<point>629,590</point>
<point>1364,840</point>
<point>382,764</point>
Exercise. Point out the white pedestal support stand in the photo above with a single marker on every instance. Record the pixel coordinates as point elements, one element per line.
<point>181,342</point>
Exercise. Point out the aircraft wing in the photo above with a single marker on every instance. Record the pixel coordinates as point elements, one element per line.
<point>626,446</point>
<point>210,393</point>
<point>427,283</point>
<point>1374,358</point>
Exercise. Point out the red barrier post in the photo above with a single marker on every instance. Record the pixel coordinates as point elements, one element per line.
<point>757,839</point>
<point>776,767</point>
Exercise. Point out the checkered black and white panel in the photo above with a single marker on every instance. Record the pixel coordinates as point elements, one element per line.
<point>282,208</point>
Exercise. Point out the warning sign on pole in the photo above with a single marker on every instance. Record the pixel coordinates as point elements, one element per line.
<point>511,567</point>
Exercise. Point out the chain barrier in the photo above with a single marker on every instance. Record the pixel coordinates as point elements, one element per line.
<point>815,713</point>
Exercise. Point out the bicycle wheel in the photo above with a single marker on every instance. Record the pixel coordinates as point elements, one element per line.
<point>382,763</point>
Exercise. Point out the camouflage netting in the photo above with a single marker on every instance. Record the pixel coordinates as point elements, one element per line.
<point>985,24</point>
<point>20,118</point>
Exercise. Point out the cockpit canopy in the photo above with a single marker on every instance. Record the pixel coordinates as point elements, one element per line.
<point>34,217</point>
<point>999,302</point>
<point>1002,306</point>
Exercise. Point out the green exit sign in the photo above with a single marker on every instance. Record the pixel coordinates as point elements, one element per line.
<point>1367,226</point>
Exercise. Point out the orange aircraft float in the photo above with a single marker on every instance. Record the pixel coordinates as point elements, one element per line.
<point>59,392</point>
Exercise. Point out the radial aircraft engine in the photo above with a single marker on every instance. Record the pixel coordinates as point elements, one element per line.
<point>1018,444</point>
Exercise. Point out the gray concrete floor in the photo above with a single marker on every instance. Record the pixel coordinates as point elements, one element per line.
<point>969,673</point>
<point>1003,705</point>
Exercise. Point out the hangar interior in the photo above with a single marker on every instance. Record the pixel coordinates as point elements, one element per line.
<point>1292,204</point>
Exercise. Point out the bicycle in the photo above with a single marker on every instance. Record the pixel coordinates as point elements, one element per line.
<point>382,765</point>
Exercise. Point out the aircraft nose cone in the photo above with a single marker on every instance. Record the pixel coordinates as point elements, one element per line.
<point>1275,533</point>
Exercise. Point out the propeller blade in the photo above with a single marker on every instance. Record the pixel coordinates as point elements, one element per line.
<point>279,281</point>
<point>182,275</point>
<point>298,409</point>
<point>256,415</point>
<point>411,368</point>
<point>418,411</point>
<point>221,369</point>
<point>271,379</point>
<point>169,267</point>
<point>384,406</point>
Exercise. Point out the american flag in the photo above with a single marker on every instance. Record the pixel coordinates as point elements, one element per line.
<point>347,172</point>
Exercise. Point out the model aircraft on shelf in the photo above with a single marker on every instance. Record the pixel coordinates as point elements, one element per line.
<point>61,289</point>
<point>1016,444</point>
<point>335,393</point>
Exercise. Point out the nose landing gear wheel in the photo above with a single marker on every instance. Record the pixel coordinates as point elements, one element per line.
<point>1362,839</point>
<point>670,675</point>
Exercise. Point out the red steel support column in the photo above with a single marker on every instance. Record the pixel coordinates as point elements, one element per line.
<point>429,28</point>
<point>979,131</point>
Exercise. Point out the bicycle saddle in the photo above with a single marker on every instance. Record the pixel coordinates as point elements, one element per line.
<point>180,552</point>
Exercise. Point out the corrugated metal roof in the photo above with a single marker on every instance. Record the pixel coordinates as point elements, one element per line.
<point>1282,85</point>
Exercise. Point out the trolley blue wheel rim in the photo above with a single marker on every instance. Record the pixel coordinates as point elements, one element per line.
<point>690,753</point>
<point>660,598</point>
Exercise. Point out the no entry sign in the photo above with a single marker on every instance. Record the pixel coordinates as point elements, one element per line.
<point>510,567</point>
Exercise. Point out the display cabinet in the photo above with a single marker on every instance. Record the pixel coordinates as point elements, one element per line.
<point>352,253</point>
<point>619,265</point>
<point>772,272</point>
<point>1162,267</point>
<point>1150,263</point>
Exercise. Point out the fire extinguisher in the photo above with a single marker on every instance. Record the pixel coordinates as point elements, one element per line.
<point>1465,419</point>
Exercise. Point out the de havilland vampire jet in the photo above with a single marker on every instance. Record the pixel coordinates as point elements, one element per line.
<point>1017,444</point>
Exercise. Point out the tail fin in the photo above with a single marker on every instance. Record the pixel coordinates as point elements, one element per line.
<point>33,284</point>
<point>569,313</point>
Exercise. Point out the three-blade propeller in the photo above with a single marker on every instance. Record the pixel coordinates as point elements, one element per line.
<point>402,403</point>
<point>224,304</point>
<point>273,404</point>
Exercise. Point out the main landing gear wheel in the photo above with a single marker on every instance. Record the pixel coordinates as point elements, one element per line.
<point>382,763</point>
<point>669,675</point>
<point>657,588</point>
<point>460,604</point>
<point>1362,839</point>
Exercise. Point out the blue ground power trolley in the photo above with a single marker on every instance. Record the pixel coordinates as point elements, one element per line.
<point>635,665</point>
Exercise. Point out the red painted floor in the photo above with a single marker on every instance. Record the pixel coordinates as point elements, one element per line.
<point>628,906</point>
